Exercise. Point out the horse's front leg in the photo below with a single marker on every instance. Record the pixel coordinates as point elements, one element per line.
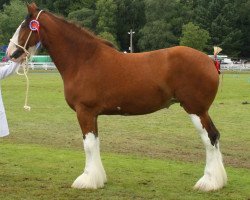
<point>94,175</point>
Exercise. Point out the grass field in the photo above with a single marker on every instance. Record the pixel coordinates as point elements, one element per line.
<point>156,156</point>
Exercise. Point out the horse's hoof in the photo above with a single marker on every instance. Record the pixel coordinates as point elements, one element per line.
<point>85,181</point>
<point>207,184</point>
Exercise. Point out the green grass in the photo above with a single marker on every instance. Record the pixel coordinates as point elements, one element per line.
<point>156,156</point>
<point>52,171</point>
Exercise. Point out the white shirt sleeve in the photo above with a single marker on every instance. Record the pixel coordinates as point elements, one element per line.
<point>8,69</point>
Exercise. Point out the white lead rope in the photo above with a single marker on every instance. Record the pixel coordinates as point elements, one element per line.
<point>25,65</point>
<point>25,73</point>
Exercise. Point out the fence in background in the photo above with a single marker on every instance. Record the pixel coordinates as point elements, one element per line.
<point>39,62</point>
<point>235,67</point>
<point>45,62</point>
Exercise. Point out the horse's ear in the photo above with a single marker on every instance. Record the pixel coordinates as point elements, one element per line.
<point>32,8</point>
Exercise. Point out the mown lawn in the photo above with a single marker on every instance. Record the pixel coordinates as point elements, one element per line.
<point>156,156</point>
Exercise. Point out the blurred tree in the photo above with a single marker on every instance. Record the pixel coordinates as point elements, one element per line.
<point>156,35</point>
<point>62,6</point>
<point>45,4</point>
<point>85,17</point>
<point>130,15</point>
<point>157,23</point>
<point>220,19</point>
<point>194,36</point>
<point>79,4</point>
<point>244,25</point>
<point>164,20</point>
<point>3,2</point>
<point>83,12</point>
<point>106,11</point>
<point>10,18</point>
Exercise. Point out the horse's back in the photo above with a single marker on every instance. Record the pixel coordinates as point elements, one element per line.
<point>183,74</point>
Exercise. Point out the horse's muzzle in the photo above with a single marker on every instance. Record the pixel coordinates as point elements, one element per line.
<point>17,53</point>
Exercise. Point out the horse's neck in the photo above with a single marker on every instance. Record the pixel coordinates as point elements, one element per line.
<point>65,43</point>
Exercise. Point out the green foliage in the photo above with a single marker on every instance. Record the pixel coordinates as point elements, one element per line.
<point>163,24</point>
<point>62,6</point>
<point>157,23</point>
<point>194,36</point>
<point>83,12</point>
<point>156,35</point>
<point>244,25</point>
<point>220,19</point>
<point>85,17</point>
<point>79,4</point>
<point>10,18</point>
<point>106,11</point>
<point>130,15</point>
<point>3,2</point>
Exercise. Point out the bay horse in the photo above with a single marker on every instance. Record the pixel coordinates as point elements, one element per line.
<point>100,80</point>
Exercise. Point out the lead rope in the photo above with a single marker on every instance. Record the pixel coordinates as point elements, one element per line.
<point>25,73</point>
<point>25,68</point>
<point>25,64</point>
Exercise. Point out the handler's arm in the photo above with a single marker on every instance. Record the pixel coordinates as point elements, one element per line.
<point>8,69</point>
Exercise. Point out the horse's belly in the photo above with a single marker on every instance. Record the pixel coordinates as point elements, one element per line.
<point>139,102</point>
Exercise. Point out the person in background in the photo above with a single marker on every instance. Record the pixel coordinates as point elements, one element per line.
<point>5,71</point>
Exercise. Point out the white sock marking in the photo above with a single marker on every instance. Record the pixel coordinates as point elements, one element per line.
<point>215,176</point>
<point>94,175</point>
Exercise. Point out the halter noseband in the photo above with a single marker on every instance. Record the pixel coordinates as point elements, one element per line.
<point>34,26</point>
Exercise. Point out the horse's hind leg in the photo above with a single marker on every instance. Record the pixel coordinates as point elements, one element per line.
<point>94,175</point>
<point>215,176</point>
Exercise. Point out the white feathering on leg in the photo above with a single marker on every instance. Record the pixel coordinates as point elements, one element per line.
<point>215,176</point>
<point>94,175</point>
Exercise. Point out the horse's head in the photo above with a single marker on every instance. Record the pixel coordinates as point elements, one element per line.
<point>26,36</point>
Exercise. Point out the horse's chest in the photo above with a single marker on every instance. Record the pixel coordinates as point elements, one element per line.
<point>71,95</point>
<point>76,94</point>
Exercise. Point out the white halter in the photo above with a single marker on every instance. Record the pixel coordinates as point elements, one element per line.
<point>28,38</point>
